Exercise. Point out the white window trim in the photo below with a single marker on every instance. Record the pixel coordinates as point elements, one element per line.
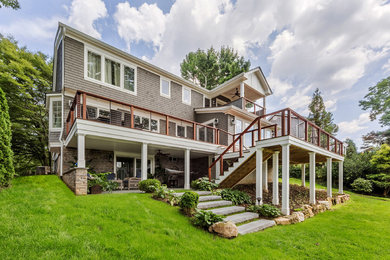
<point>104,55</point>
<point>51,128</point>
<point>169,87</point>
<point>182,95</point>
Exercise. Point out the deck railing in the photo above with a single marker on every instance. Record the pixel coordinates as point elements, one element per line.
<point>96,108</point>
<point>283,123</point>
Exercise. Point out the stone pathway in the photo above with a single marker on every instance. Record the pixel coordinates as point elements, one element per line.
<point>247,222</point>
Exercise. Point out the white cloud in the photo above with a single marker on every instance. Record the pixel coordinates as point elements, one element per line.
<point>83,14</point>
<point>279,87</point>
<point>354,126</point>
<point>147,23</point>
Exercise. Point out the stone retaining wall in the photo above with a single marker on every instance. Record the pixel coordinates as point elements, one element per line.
<point>76,180</point>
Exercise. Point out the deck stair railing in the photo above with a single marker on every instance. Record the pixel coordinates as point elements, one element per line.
<point>285,122</point>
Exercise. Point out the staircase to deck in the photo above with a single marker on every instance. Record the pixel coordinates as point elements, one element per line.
<point>246,222</point>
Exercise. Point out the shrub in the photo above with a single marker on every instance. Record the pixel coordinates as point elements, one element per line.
<point>205,219</point>
<point>7,171</point>
<point>101,180</point>
<point>361,185</point>
<point>166,194</point>
<point>189,201</point>
<point>265,210</point>
<point>149,185</point>
<point>236,196</point>
<point>203,184</point>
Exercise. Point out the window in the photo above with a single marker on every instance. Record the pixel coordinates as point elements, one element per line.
<point>94,66</point>
<point>165,88</point>
<point>154,125</point>
<point>112,72</point>
<point>186,96</point>
<point>181,131</point>
<point>128,78</point>
<point>56,114</point>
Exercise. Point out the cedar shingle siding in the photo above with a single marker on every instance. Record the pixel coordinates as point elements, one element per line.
<point>148,86</point>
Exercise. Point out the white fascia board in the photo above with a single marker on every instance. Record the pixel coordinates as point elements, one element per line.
<point>233,110</point>
<point>50,95</point>
<point>98,129</point>
<point>300,143</point>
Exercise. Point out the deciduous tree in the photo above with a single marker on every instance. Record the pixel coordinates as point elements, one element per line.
<point>381,160</point>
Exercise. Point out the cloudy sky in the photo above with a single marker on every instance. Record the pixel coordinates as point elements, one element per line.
<point>341,47</point>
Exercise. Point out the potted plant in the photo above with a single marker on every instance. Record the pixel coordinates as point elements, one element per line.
<point>98,182</point>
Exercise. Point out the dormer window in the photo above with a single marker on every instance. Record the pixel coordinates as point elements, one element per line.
<point>94,66</point>
<point>112,72</point>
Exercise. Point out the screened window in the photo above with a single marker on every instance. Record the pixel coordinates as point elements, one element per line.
<point>94,66</point>
<point>165,88</point>
<point>154,125</point>
<point>129,78</point>
<point>186,98</point>
<point>181,131</point>
<point>113,72</point>
<point>56,114</point>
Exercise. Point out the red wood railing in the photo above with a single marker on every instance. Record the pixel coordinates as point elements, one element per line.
<point>79,108</point>
<point>285,122</point>
<point>253,107</point>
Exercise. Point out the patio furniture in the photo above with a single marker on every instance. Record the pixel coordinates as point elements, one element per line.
<point>133,183</point>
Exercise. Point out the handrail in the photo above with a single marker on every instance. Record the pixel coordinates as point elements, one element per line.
<point>285,130</point>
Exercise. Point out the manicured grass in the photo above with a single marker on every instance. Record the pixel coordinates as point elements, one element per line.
<point>41,218</point>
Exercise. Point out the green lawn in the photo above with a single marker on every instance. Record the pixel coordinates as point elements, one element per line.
<point>41,218</point>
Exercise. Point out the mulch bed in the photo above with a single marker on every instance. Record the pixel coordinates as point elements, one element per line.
<point>299,195</point>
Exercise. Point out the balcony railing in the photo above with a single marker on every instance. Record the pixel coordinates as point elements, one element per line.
<point>92,107</point>
<point>284,122</point>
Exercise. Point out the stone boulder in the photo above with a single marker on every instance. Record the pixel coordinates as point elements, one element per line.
<point>282,221</point>
<point>224,229</point>
<point>307,211</point>
<point>326,204</point>
<point>299,215</point>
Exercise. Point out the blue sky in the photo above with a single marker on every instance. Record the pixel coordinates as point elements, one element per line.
<point>341,47</point>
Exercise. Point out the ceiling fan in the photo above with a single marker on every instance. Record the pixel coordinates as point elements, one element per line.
<point>237,93</point>
<point>159,153</point>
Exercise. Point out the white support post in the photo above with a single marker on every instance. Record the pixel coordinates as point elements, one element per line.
<point>312,172</point>
<point>80,151</point>
<point>187,169</point>
<point>286,179</point>
<point>265,176</point>
<point>135,167</point>
<point>259,173</point>
<point>329,177</point>
<point>275,178</point>
<point>303,172</point>
<point>61,159</point>
<point>242,89</point>
<point>341,173</point>
<point>144,161</point>
<point>217,168</point>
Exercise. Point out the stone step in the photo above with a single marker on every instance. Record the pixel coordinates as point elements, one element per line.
<point>255,226</point>
<point>242,217</point>
<point>214,204</point>
<point>228,210</point>
<point>208,198</point>
<point>200,193</point>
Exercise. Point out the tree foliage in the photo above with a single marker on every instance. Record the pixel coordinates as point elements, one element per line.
<point>319,115</point>
<point>14,4</point>
<point>26,77</point>
<point>378,102</point>
<point>211,68</point>
<point>381,160</point>
<point>6,155</point>
<point>375,138</point>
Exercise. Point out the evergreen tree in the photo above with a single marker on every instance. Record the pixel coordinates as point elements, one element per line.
<point>381,160</point>
<point>6,155</point>
<point>319,115</point>
<point>211,68</point>
<point>26,77</point>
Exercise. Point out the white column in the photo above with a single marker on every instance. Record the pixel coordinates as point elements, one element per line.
<point>341,173</point>
<point>187,169</point>
<point>303,172</point>
<point>217,168</point>
<point>80,150</point>
<point>135,167</point>
<point>275,178</point>
<point>242,89</point>
<point>286,179</point>
<point>312,179</point>
<point>265,176</point>
<point>329,176</point>
<point>144,161</point>
<point>259,173</point>
<point>61,159</point>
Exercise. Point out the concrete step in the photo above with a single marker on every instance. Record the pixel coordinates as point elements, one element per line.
<point>200,192</point>
<point>214,204</point>
<point>208,198</point>
<point>228,210</point>
<point>242,217</point>
<point>255,226</point>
